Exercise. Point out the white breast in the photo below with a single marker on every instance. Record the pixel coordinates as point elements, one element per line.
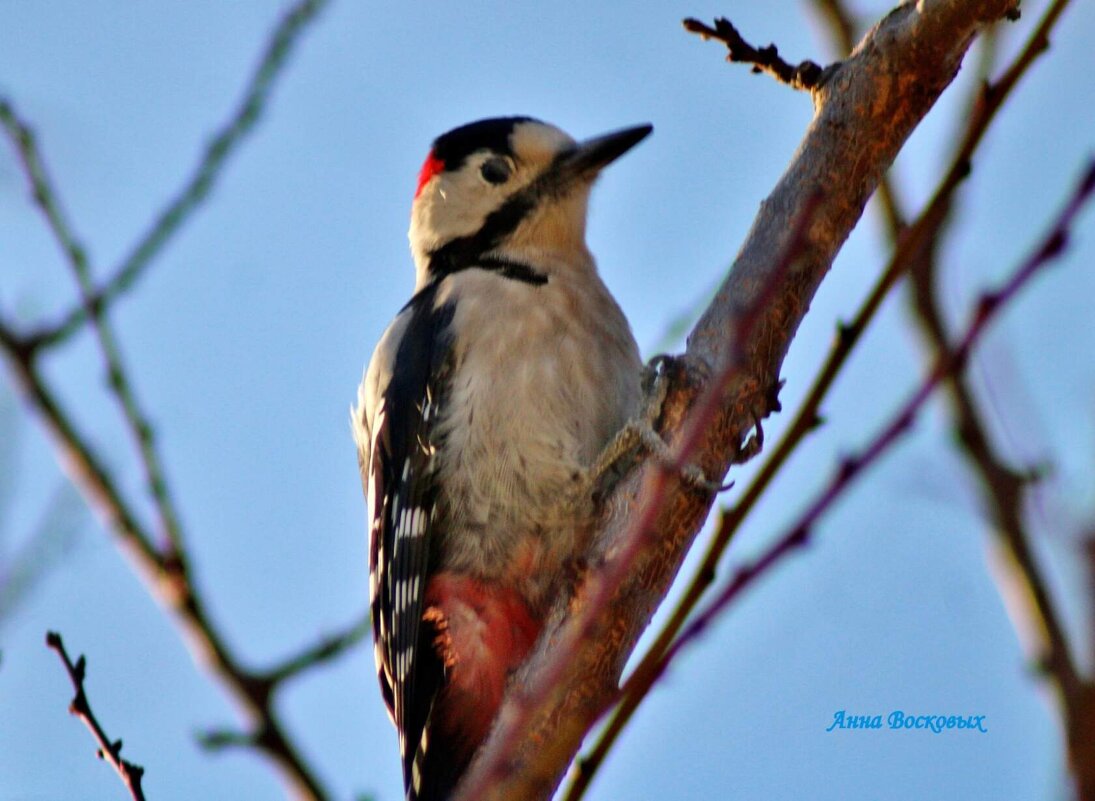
<point>544,376</point>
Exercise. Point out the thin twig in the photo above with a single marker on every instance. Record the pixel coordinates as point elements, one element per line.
<point>190,197</point>
<point>1004,489</point>
<point>165,570</point>
<point>109,750</point>
<point>54,535</point>
<point>325,650</point>
<point>137,422</point>
<point>842,24</point>
<point>806,75</point>
<point>168,579</point>
<point>953,360</point>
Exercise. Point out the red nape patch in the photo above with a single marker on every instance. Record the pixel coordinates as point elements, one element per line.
<point>430,168</point>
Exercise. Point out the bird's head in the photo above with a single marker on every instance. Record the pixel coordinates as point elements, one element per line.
<point>512,188</point>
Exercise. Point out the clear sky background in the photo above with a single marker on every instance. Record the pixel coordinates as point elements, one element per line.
<point>248,338</point>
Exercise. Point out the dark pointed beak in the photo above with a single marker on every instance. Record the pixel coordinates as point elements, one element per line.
<point>592,155</point>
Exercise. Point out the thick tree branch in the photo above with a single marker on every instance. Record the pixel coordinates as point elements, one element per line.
<point>843,32</point>
<point>866,107</point>
<point>109,750</point>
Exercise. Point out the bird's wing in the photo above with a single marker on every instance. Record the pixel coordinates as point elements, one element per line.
<point>403,401</point>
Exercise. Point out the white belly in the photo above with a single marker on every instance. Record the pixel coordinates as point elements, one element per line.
<point>538,389</point>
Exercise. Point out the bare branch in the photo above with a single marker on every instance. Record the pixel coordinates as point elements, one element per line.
<point>224,739</point>
<point>806,420</point>
<point>842,24</point>
<point>165,569</point>
<point>806,75</point>
<point>843,29</point>
<point>1004,490</point>
<point>912,245</point>
<point>136,421</point>
<point>325,650</point>
<point>110,750</point>
<point>857,131</point>
<point>1003,487</point>
<point>168,579</point>
<point>951,361</point>
<point>53,536</point>
<point>222,145</point>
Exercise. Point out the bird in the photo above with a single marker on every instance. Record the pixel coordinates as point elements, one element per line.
<point>483,406</point>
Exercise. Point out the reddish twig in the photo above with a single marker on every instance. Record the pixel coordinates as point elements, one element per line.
<point>987,308</point>
<point>109,750</point>
<point>807,75</point>
<point>601,585</point>
<point>1004,489</point>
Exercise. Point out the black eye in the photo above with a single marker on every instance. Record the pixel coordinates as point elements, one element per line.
<point>495,171</point>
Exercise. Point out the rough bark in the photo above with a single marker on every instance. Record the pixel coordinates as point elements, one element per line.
<point>865,109</point>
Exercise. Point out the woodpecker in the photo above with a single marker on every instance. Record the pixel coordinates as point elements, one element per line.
<point>484,405</point>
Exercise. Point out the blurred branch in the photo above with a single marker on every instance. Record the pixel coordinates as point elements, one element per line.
<point>1004,490</point>
<point>806,75</point>
<point>948,366</point>
<point>326,650</point>
<point>46,197</point>
<point>843,31</point>
<point>167,578</point>
<point>1003,487</point>
<point>950,363</point>
<point>222,145</point>
<point>110,750</point>
<point>165,567</point>
<point>843,27</point>
<point>858,127</point>
<point>50,540</point>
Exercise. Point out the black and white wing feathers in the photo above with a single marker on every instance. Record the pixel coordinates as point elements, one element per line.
<point>408,377</point>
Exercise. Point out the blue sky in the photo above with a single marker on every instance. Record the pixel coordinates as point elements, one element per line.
<point>248,337</point>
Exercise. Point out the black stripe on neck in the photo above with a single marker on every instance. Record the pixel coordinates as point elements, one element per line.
<point>469,251</point>
<point>514,270</point>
